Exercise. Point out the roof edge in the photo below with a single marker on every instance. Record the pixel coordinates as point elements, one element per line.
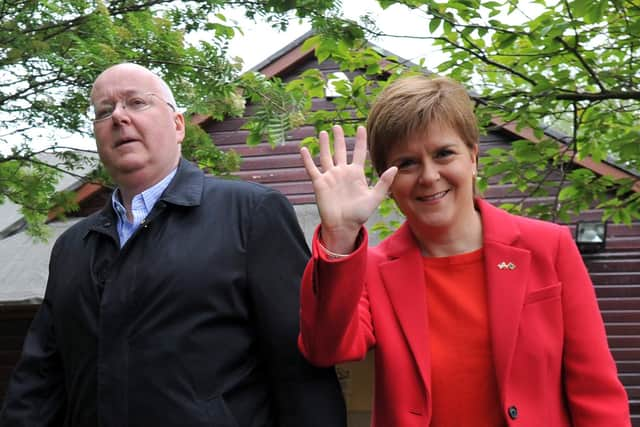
<point>286,57</point>
<point>601,168</point>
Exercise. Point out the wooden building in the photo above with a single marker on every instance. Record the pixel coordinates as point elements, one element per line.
<point>615,269</point>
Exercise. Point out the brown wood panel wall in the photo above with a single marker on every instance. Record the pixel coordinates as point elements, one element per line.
<point>616,277</point>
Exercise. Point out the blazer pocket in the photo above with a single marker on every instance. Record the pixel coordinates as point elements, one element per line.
<point>548,292</point>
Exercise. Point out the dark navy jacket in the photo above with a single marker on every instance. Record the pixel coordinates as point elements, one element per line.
<point>192,323</point>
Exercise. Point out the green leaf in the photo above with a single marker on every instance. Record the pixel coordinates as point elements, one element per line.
<point>254,138</point>
<point>567,193</point>
<point>434,23</point>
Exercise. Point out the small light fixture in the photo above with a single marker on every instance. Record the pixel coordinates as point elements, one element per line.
<point>591,236</point>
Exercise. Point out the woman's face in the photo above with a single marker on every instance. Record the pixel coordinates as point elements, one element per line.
<point>435,180</point>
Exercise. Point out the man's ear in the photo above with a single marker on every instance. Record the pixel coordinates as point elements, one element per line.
<point>178,119</point>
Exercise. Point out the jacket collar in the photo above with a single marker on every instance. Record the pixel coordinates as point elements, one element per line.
<point>498,227</point>
<point>400,243</point>
<point>185,189</point>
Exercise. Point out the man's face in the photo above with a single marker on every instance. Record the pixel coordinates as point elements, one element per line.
<point>138,146</point>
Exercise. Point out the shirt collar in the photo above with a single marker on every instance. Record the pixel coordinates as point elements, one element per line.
<point>184,190</point>
<point>143,201</point>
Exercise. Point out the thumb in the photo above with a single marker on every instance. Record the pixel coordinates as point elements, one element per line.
<point>381,189</point>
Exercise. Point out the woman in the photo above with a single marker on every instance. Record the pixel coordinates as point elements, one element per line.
<point>477,317</point>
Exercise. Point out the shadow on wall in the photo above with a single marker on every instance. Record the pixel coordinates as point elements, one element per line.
<point>356,379</point>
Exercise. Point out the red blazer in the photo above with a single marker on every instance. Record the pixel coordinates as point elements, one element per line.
<point>553,364</point>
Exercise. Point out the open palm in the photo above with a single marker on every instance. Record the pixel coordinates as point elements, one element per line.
<point>345,200</point>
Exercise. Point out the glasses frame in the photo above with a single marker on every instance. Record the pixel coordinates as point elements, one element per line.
<point>124,106</point>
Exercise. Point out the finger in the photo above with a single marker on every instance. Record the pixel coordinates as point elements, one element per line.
<point>360,149</point>
<point>309,165</point>
<point>325,152</point>
<point>381,189</point>
<point>339,146</point>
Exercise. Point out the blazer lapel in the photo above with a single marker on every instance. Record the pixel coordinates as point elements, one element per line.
<point>507,273</point>
<point>403,280</point>
<point>506,291</point>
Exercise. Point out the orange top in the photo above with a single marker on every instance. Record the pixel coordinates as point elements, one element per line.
<point>463,379</point>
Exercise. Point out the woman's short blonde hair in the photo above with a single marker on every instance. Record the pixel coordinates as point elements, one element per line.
<point>411,105</point>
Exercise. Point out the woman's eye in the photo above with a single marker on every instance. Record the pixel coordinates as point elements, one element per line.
<point>444,153</point>
<point>405,163</point>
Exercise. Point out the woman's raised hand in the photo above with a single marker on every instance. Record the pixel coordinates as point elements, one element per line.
<point>343,196</point>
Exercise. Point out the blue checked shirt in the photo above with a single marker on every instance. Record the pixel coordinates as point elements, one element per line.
<point>141,205</point>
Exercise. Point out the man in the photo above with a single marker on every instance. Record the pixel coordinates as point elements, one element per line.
<point>177,304</point>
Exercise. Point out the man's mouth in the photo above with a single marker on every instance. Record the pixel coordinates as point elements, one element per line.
<point>433,197</point>
<point>124,141</point>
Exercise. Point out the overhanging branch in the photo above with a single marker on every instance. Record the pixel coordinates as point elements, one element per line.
<point>600,96</point>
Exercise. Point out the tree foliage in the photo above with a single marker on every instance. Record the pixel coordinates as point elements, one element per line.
<point>52,50</point>
<point>567,69</point>
<point>570,66</point>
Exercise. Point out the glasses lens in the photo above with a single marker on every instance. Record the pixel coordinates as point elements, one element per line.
<point>101,112</point>
<point>138,102</point>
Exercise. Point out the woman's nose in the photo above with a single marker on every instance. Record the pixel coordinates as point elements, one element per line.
<point>429,173</point>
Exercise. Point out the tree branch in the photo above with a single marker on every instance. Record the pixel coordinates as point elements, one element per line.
<point>581,96</point>
<point>587,67</point>
<point>488,61</point>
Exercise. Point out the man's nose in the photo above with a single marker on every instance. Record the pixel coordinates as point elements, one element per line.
<point>119,113</point>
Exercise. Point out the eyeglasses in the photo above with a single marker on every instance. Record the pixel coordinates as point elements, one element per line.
<point>135,103</point>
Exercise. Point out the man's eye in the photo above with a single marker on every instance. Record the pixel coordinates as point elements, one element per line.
<point>103,112</point>
<point>136,103</point>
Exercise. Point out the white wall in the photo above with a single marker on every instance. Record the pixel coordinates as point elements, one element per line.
<point>309,220</point>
